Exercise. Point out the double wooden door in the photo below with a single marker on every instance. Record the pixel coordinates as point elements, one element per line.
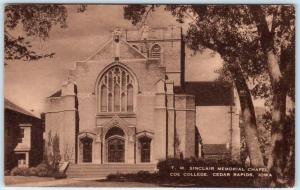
<point>116,150</point>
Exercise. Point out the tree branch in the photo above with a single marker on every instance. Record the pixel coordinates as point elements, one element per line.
<point>145,16</point>
<point>262,27</point>
<point>274,24</point>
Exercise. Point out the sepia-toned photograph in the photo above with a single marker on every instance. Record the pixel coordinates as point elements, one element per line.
<point>99,95</point>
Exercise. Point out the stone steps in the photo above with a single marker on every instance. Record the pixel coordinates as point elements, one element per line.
<point>102,170</point>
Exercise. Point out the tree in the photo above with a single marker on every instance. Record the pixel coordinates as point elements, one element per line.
<point>253,41</point>
<point>277,41</point>
<point>36,20</point>
<point>52,151</point>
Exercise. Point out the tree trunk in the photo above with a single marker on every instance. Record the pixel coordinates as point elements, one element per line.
<point>277,160</point>
<point>248,115</point>
<point>275,163</point>
<point>282,150</point>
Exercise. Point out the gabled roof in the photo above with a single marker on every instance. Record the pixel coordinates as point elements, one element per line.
<point>116,121</point>
<point>128,52</point>
<point>208,93</point>
<point>12,106</point>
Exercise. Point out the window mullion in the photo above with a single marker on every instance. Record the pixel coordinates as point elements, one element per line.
<point>113,92</point>
<point>125,88</point>
<point>107,91</point>
<point>121,90</point>
<point>99,97</point>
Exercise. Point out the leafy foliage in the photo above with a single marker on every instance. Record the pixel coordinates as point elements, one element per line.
<point>41,170</point>
<point>33,171</point>
<point>52,151</point>
<point>6,172</point>
<point>134,13</point>
<point>44,170</point>
<point>35,20</point>
<point>17,48</point>
<point>16,171</point>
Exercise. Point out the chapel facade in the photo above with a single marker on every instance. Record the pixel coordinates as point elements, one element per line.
<point>129,103</point>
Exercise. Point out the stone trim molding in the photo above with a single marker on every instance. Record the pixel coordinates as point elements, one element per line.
<point>58,111</point>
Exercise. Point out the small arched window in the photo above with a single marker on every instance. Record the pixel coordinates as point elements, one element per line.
<point>116,90</point>
<point>155,51</point>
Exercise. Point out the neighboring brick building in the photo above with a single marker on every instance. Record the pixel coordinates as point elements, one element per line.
<point>23,137</point>
<point>129,103</point>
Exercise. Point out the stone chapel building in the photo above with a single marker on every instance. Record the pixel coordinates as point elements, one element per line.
<point>129,103</point>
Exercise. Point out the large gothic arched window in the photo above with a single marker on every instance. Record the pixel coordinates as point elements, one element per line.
<point>116,90</point>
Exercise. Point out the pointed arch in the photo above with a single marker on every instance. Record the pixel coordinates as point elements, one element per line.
<point>115,144</point>
<point>85,146</point>
<point>116,89</point>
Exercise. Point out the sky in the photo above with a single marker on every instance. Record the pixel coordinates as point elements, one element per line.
<point>29,83</point>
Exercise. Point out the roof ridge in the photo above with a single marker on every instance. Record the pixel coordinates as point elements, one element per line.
<point>8,104</point>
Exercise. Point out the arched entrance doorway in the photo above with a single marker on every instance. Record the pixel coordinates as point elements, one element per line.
<point>115,145</point>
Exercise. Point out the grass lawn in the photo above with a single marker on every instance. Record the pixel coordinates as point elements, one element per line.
<point>13,180</point>
<point>32,181</point>
<point>102,183</point>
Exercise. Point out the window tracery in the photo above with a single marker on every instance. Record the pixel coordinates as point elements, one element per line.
<point>116,90</point>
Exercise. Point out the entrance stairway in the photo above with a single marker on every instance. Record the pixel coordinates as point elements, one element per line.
<point>100,171</point>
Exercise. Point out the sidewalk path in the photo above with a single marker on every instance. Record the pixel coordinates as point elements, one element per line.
<point>56,183</point>
<point>20,181</point>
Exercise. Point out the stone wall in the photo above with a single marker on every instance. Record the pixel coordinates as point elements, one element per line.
<point>185,125</point>
<point>170,117</point>
<point>60,119</point>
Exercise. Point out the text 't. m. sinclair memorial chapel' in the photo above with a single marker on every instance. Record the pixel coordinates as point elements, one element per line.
<point>129,104</point>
